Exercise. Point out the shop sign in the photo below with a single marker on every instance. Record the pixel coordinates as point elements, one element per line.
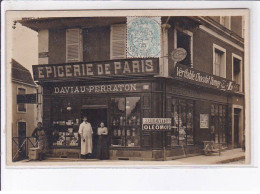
<point>201,78</point>
<point>204,121</point>
<point>123,67</point>
<point>104,88</point>
<point>178,54</point>
<point>157,124</point>
<point>27,99</point>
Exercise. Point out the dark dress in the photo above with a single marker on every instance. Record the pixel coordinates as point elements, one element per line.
<point>102,147</point>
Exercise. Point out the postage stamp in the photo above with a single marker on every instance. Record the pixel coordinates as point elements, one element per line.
<point>143,36</point>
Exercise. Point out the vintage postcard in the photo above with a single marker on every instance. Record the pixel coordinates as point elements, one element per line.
<point>127,87</point>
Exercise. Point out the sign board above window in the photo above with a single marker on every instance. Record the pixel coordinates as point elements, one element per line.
<point>184,73</point>
<point>122,67</point>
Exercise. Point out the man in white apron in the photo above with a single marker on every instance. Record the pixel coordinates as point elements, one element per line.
<point>85,131</point>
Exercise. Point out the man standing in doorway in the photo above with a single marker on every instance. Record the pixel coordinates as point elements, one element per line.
<point>40,135</point>
<point>85,131</point>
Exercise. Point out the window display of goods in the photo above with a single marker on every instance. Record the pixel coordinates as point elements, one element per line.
<point>115,132</point>
<point>119,132</point>
<point>128,132</point>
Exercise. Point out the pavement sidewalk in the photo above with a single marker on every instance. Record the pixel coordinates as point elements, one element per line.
<point>226,157</point>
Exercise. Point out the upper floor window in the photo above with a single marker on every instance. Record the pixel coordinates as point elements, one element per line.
<point>237,70</point>
<point>219,61</point>
<point>74,45</point>
<point>184,39</point>
<point>118,41</point>
<point>21,107</point>
<point>226,21</point>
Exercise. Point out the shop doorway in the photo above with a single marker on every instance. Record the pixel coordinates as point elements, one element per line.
<point>237,127</point>
<point>95,115</point>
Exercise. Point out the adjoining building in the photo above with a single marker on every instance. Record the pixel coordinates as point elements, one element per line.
<point>24,116</point>
<point>85,68</point>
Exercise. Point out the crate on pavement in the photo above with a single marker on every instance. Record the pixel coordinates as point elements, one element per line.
<point>34,153</point>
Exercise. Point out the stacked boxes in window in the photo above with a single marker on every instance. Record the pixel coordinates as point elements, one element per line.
<point>34,153</point>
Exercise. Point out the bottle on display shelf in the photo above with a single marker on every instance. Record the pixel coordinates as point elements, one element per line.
<point>129,121</point>
<point>133,133</point>
<point>114,122</point>
<point>121,120</point>
<point>134,120</point>
<point>124,120</point>
<point>128,132</point>
<point>119,132</point>
<point>115,132</point>
<point>138,121</point>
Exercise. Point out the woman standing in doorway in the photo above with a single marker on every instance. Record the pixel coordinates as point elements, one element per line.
<point>85,131</point>
<point>102,148</point>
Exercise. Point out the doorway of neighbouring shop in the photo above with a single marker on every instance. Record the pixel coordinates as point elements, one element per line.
<point>95,115</point>
<point>237,127</point>
<point>22,139</point>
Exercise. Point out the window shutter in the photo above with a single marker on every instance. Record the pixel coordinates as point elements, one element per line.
<point>73,45</point>
<point>118,41</point>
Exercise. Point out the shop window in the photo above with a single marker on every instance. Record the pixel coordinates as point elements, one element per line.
<point>237,70</point>
<point>219,61</point>
<point>65,125</point>
<point>184,40</point>
<point>225,21</point>
<point>74,45</point>
<point>21,107</point>
<point>218,128</point>
<point>182,122</point>
<point>126,121</point>
<point>118,41</point>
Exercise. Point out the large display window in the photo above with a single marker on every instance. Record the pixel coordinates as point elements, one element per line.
<point>125,121</point>
<point>218,123</point>
<point>182,112</point>
<point>65,123</point>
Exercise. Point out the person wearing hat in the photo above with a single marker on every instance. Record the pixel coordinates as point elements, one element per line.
<point>85,132</point>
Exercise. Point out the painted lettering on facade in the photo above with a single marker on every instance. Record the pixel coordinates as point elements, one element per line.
<point>108,88</point>
<point>197,77</point>
<point>148,66</point>
<point>160,124</point>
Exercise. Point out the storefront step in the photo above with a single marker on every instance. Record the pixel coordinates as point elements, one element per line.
<point>155,155</point>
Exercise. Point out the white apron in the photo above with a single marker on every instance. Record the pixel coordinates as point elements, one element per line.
<point>85,131</point>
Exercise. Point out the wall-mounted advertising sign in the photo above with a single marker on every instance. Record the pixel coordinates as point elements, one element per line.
<point>123,67</point>
<point>204,121</point>
<point>157,124</point>
<point>194,76</point>
<point>27,99</point>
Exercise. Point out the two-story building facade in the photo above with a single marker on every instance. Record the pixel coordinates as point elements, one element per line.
<point>86,68</point>
<point>24,116</point>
